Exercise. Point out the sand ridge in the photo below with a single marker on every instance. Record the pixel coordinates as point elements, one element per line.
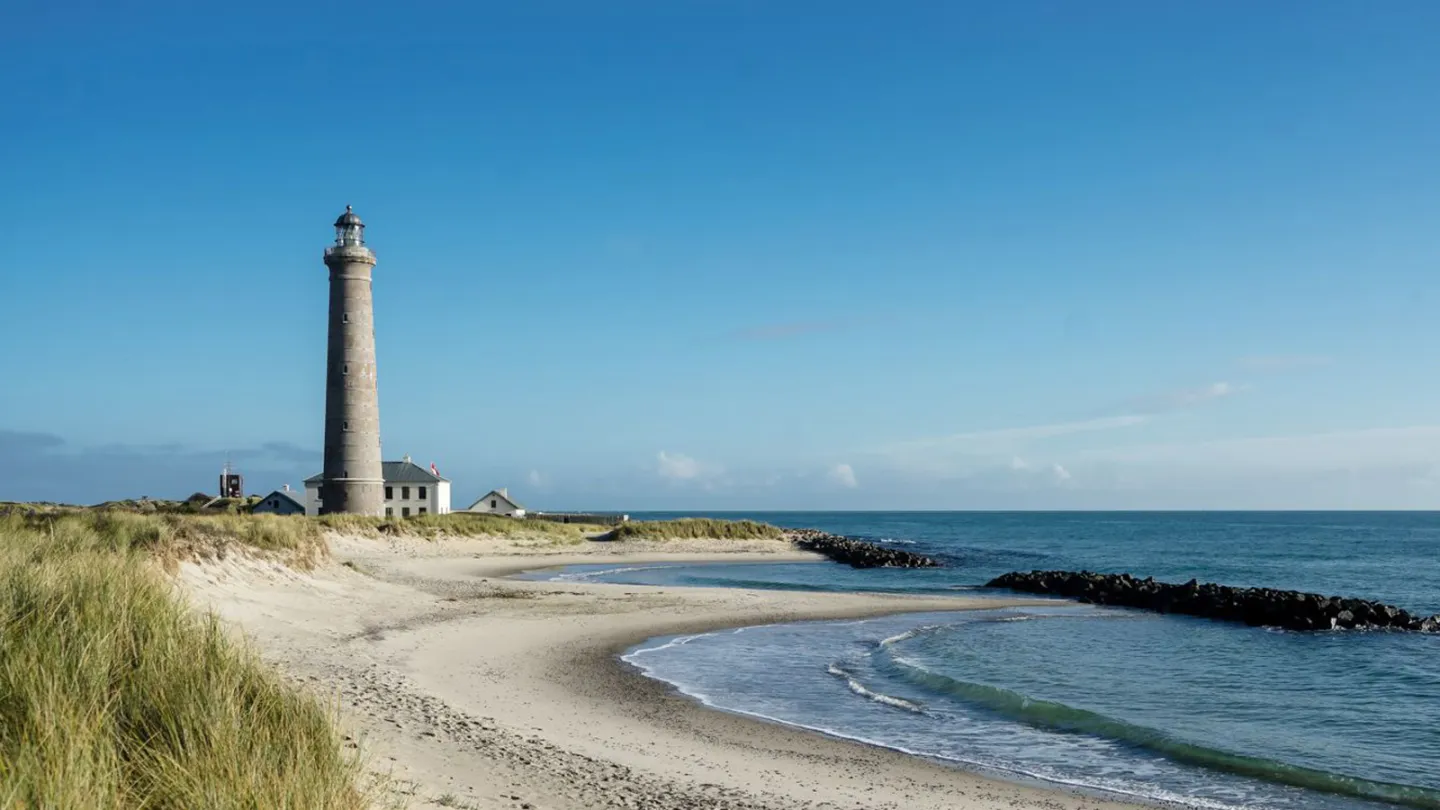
<point>472,690</point>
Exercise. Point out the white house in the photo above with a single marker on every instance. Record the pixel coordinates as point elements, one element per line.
<point>409,490</point>
<point>497,502</point>
<point>280,502</point>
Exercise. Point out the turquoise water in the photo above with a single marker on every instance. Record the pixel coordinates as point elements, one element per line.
<point>1159,708</point>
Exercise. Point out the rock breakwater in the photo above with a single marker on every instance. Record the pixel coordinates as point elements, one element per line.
<point>858,553</point>
<point>1268,607</point>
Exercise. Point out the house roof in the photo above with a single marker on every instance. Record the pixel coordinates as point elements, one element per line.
<point>495,493</point>
<point>289,496</point>
<point>396,472</point>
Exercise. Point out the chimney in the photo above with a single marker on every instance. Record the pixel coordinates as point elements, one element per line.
<point>504,492</point>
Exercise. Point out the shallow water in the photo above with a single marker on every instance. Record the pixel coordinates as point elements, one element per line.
<point>1156,707</point>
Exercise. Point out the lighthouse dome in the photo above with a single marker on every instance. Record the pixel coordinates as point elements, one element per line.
<point>348,218</point>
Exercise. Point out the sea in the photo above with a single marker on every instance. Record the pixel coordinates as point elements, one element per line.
<point>1158,709</point>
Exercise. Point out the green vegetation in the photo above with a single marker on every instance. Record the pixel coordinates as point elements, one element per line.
<point>174,537</point>
<point>197,504</point>
<point>460,524</point>
<point>114,695</point>
<point>181,528</point>
<point>688,528</point>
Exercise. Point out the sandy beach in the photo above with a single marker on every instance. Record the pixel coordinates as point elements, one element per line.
<point>472,690</point>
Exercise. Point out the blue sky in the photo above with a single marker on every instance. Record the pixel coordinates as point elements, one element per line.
<point>734,255</point>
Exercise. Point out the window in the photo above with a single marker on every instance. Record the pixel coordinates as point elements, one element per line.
<point>389,493</point>
<point>421,496</point>
<point>389,511</point>
<point>345,369</point>
<point>404,493</point>
<point>492,503</point>
<point>404,511</point>
<point>345,318</point>
<point>345,426</point>
<point>422,510</point>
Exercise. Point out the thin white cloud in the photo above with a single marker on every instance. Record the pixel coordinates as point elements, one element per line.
<point>1337,450</point>
<point>1276,363</point>
<point>781,331</point>
<point>1026,470</point>
<point>942,456</point>
<point>1195,396</point>
<point>1139,412</point>
<point>677,466</point>
<point>1023,434</point>
<point>1180,399</point>
<point>535,478</point>
<point>844,475</point>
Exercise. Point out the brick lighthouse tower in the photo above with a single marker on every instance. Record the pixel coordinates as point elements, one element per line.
<point>352,480</point>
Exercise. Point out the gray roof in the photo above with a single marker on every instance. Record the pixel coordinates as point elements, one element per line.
<point>287,495</point>
<point>396,472</point>
<point>407,472</point>
<point>502,496</point>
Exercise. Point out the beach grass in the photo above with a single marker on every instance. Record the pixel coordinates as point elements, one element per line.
<point>171,538</point>
<point>460,524</point>
<point>694,528</point>
<point>114,694</point>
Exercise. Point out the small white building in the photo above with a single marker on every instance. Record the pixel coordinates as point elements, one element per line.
<point>410,490</point>
<point>497,502</point>
<point>280,502</point>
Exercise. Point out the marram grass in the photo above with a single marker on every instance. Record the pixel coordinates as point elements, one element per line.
<point>693,528</point>
<point>173,537</point>
<point>460,524</point>
<point>114,695</point>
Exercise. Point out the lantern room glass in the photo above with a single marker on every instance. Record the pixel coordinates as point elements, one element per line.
<point>350,233</point>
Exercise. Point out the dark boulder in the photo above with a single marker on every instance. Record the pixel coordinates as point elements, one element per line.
<point>1253,606</point>
<point>858,553</point>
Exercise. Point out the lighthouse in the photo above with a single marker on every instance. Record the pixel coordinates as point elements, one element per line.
<point>352,481</point>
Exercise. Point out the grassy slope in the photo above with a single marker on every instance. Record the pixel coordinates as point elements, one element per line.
<point>460,524</point>
<point>114,695</point>
<point>689,528</point>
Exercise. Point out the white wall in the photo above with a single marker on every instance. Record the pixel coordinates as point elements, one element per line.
<point>435,502</point>
<point>403,500</point>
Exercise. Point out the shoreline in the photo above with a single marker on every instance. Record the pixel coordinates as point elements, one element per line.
<point>612,657</point>
<point>497,692</point>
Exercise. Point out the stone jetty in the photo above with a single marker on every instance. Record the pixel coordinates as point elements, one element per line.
<point>1291,610</point>
<point>858,553</point>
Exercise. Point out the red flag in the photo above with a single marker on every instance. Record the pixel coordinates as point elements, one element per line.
<point>434,471</point>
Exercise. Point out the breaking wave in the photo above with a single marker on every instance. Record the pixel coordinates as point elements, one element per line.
<point>859,689</point>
